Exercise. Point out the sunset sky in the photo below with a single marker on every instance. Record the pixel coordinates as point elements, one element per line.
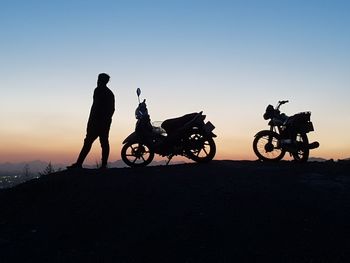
<point>228,58</point>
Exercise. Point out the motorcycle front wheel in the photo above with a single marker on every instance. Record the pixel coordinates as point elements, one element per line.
<point>301,154</point>
<point>201,149</point>
<point>266,146</point>
<point>136,154</point>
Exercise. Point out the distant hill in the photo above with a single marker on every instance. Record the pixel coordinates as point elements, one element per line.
<point>317,159</point>
<point>33,166</point>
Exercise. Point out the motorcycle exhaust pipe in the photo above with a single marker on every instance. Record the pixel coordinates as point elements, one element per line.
<point>314,145</point>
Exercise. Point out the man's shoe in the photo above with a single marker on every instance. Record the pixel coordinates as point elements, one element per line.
<point>75,166</point>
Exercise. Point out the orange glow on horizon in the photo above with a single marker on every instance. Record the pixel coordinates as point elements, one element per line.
<point>67,151</point>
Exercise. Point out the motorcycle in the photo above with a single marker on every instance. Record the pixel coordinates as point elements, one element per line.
<point>286,134</point>
<point>187,136</point>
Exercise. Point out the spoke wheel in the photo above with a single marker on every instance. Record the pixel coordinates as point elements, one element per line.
<point>301,154</point>
<point>201,149</point>
<point>266,146</point>
<point>136,154</point>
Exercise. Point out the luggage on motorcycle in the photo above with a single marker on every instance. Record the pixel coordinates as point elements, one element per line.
<point>301,122</point>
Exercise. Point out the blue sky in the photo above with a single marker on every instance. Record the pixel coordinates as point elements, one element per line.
<point>228,58</point>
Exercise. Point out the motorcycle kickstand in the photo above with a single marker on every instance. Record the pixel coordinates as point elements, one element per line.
<point>169,158</point>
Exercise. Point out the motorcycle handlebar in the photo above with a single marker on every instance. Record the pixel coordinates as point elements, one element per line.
<point>280,103</point>
<point>283,102</point>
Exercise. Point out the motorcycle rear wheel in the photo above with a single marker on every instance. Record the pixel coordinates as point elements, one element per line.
<point>266,146</point>
<point>136,154</point>
<point>202,149</point>
<point>301,154</point>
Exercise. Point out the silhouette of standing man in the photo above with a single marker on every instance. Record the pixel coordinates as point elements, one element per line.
<point>99,122</point>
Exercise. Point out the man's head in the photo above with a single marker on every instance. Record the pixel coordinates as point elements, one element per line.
<point>103,79</point>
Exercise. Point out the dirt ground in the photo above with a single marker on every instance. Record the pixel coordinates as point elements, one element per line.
<point>224,211</point>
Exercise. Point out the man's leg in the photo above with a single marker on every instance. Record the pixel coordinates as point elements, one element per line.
<point>105,148</point>
<point>88,141</point>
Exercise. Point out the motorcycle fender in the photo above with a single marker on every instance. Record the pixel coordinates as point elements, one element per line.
<point>132,137</point>
<point>208,129</point>
<point>213,135</point>
<point>263,131</point>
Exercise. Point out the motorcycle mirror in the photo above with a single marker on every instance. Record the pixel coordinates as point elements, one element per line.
<point>138,92</point>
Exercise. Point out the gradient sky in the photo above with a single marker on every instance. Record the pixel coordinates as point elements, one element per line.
<point>228,58</point>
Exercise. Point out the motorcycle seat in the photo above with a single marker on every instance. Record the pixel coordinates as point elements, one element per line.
<point>171,125</point>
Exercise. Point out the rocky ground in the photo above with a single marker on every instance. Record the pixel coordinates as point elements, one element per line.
<point>224,211</point>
